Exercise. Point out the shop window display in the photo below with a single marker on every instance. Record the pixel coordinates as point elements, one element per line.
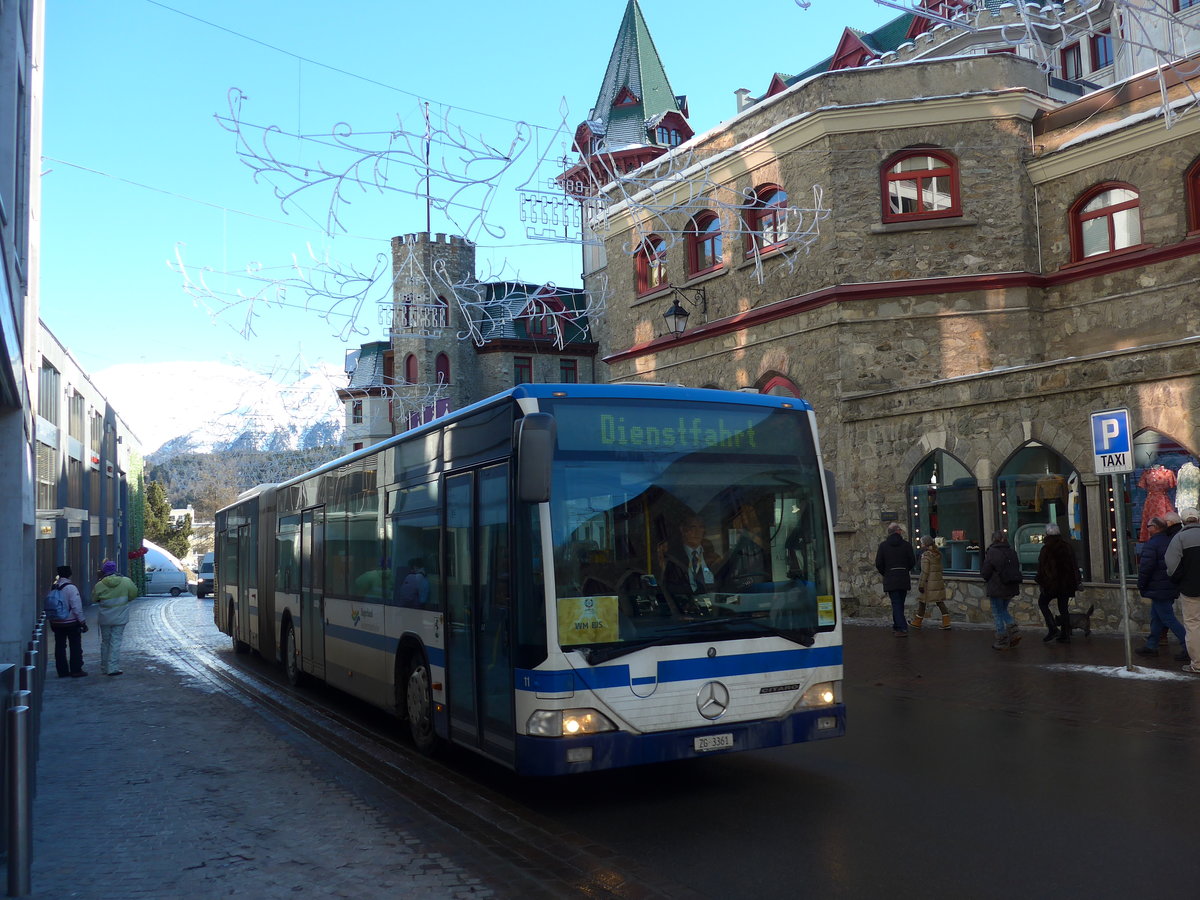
<point>1035,487</point>
<point>1165,478</point>
<point>943,500</point>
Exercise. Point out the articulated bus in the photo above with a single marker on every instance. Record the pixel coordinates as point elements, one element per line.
<point>513,577</point>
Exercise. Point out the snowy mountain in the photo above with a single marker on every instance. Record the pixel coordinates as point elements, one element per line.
<point>206,407</point>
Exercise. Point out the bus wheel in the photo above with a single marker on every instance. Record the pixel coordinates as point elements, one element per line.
<point>238,646</point>
<point>419,705</point>
<point>291,657</point>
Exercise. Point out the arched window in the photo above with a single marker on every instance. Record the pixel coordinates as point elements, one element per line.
<point>766,219</point>
<point>920,184</point>
<point>410,369</point>
<point>1035,487</point>
<point>1106,219</point>
<point>442,368</point>
<point>441,312</point>
<point>1191,186</point>
<point>943,502</point>
<point>704,244</point>
<point>651,264</point>
<point>779,386</point>
<point>1166,477</point>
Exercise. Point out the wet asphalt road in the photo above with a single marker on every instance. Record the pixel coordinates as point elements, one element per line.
<point>1048,771</point>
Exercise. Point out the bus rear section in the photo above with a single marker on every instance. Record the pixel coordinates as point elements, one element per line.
<point>691,597</point>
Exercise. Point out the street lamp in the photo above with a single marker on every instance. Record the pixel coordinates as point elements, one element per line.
<point>676,316</point>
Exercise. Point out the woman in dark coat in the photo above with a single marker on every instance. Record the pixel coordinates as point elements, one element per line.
<point>895,560</point>
<point>1001,569</point>
<point>1058,577</point>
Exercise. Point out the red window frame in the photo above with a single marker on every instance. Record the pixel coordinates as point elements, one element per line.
<point>356,412</point>
<point>1181,5</point>
<point>522,370</point>
<point>568,371</point>
<point>1070,61</point>
<point>542,316</point>
<point>1079,214</point>
<point>1191,187</point>
<point>704,244</point>
<point>410,369</point>
<point>1101,49</point>
<point>441,367</point>
<point>766,219</point>
<point>651,264</point>
<point>944,166</point>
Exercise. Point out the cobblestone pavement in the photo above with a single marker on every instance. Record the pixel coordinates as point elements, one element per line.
<point>153,784</point>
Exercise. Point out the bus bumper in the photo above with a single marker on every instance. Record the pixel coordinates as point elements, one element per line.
<point>614,749</point>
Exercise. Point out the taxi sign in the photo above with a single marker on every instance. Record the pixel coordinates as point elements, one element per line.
<point>1112,442</point>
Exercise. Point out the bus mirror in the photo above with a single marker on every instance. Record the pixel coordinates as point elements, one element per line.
<point>535,451</point>
<point>831,490</point>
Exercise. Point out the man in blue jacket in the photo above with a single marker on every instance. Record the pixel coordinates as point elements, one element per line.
<point>1156,586</point>
<point>1183,566</point>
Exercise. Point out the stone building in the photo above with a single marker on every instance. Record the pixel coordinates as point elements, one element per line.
<point>987,259</point>
<point>455,340</point>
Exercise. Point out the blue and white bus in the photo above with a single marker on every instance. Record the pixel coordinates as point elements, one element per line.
<point>511,578</point>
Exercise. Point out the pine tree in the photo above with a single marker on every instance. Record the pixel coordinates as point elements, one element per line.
<point>159,530</point>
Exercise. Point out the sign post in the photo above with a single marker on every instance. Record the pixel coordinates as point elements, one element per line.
<point>1112,444</point>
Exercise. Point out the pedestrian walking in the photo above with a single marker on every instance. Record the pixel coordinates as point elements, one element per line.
<point>1156,586</point>
<point>931,588</point>
<point>1058,578</point>
<point>1183,566</point>
<point>1001,569</point>
<point>895,560</point>
<point>114,593</point>
<point>67,621</point>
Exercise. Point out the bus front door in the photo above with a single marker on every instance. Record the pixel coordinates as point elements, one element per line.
<point>479,680</point>
<point>312,591</point>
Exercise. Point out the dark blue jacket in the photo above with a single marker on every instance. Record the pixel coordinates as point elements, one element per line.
<point>1153,581</point>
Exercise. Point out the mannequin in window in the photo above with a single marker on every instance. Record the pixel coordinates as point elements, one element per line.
<point>1187,481</point>
<point>1073,518</point>
<point>1155,481</point>
<point>1050,488</point>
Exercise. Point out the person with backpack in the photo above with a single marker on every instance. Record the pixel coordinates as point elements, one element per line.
<point>114,593</point>
<point>1059,579</point>
<point>1001,569</point>
<point>64,609</point>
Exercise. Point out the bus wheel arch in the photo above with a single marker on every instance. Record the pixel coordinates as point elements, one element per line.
<point>290,653</point>
<point>239,646</point>
<point>415,696</point>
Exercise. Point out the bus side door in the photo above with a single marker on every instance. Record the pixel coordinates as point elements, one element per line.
<point>479,680</point>
<point>312,591</point>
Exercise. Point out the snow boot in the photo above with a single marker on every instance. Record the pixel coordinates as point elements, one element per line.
<point>945,621</point>
<point>916,621</point>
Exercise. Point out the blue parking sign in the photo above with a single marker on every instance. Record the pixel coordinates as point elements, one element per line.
<point>1112,442</point>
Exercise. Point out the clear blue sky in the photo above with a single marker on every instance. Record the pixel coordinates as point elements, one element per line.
<point>137,164</point>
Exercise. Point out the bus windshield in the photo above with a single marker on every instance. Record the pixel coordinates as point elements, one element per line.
<point>684,522</point>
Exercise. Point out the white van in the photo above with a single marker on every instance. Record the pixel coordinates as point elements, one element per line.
<point>204,582</point>
<point>164,573</point>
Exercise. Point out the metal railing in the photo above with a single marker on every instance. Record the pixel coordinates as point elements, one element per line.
<point>19,738</point>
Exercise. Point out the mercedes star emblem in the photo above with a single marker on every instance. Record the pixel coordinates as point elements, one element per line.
<point>712,700</point>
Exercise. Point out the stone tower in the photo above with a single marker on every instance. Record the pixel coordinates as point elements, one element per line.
<point>434,368</point>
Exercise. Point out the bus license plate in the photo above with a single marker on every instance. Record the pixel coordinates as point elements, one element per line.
<point>712,742</point>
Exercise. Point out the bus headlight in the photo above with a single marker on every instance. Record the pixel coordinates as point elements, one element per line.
<point>826,693</point>
<point>567,722</point>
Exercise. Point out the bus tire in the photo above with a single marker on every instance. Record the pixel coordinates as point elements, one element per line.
<point>419,705</point>
<point>238,646</point>
<point>291,656</point>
